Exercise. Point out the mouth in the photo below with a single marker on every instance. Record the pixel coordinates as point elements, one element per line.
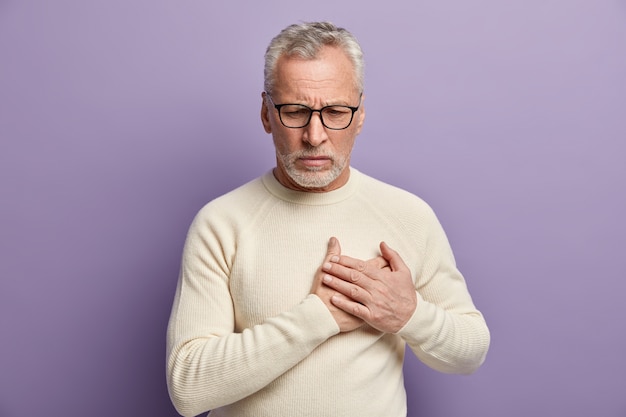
<point>314,161</point>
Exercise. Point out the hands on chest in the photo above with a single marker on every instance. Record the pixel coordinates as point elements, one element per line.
<point>377,291</point>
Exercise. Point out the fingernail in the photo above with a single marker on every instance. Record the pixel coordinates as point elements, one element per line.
<point>334,259</point>
<point>327,266</point>
<point>327,278</point>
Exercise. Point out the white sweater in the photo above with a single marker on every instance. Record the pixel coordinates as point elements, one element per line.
<point>246,338</point>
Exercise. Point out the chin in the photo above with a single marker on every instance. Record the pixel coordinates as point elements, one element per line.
<point>316,178</point>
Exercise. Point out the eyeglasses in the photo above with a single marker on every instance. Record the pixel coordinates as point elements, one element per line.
<point>296,116</point>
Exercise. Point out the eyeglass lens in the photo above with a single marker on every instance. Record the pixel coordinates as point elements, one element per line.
<point>333,117</point>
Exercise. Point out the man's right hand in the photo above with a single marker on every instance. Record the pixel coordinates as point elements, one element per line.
<point>346,322</point>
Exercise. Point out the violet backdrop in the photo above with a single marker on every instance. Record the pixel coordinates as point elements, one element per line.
<point>119,119</point>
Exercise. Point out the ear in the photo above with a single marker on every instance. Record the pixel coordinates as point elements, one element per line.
<point>265,114</point>
<point>360,116</point>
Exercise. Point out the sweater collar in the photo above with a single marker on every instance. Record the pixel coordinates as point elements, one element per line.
<point>308,198</point>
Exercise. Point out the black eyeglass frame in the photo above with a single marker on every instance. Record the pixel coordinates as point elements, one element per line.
<point>278,107</point>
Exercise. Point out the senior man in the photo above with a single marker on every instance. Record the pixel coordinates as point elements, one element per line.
<point>299,290</point>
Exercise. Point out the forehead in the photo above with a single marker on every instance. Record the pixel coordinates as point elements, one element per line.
<point>329,76</point>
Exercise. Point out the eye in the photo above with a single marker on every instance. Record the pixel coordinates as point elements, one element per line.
<point>337,111</point>
<point>294,110</point>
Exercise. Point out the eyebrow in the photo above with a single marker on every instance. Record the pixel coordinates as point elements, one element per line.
<point>325,103</point>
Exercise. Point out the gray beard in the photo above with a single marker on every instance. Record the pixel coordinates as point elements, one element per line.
<point>313,177</point>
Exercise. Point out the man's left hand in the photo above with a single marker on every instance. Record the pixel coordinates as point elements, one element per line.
<point>385,297</point>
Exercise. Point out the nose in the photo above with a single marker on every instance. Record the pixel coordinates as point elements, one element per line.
<point>315,133</point>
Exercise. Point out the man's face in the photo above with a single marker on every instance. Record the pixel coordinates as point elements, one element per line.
<point>313,158</point>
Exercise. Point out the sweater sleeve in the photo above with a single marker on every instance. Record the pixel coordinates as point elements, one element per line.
<point>446,331</point>
<point>209,362</point>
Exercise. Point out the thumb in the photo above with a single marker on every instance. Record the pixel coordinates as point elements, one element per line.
<point>395,261</point>
<point>334,249</point>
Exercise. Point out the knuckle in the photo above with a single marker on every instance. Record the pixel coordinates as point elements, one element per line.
<point>377,316</point>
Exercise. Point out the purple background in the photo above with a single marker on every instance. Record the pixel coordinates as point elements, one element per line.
<point>119,119</point>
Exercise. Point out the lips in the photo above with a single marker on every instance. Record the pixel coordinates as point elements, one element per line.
<point>314,161</point>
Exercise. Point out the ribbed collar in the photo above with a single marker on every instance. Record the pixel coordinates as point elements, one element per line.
<point>308,198</point>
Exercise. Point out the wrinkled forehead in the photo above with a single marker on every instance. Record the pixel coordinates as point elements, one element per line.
<point>330,69</point>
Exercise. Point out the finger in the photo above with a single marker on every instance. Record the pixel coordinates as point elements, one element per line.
<point>350,306</point>
<point>395,261</point>
<point>352,276</point>
<point>334,249</point>
<point>352,263</point>
<point>351,291</point>
<point>378,262</point>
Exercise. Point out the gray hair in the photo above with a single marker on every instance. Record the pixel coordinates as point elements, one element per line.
<point>305,40</point>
